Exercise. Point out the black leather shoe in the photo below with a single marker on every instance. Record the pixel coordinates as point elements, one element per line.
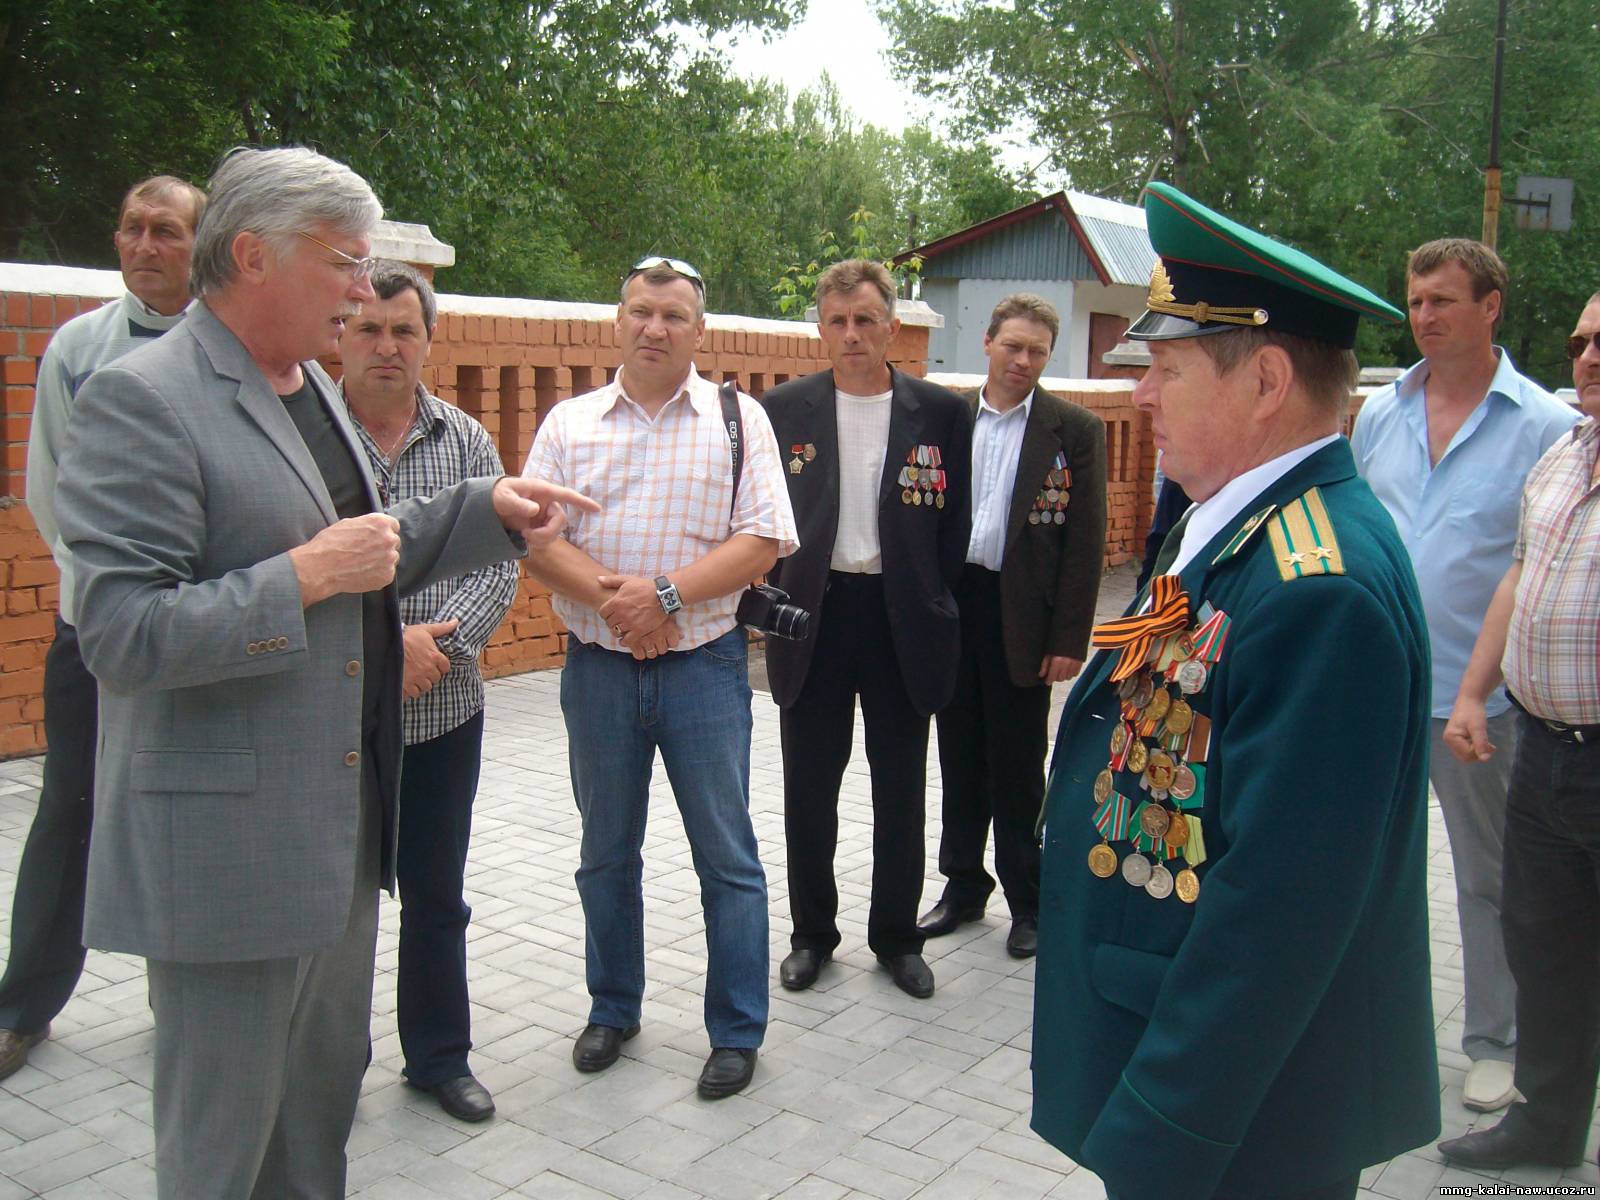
<point>910,974</point>
<point>598,1046</point>
<point>1023,940</point>
<point>800,968</point>
<point>464,1098</point>
<point>945,917</point>
<point>1507,1147</point>
<point>14,1049</point>
<point>727,1071</point>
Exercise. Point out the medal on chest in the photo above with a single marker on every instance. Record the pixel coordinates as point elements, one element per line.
<point>1161,741</point>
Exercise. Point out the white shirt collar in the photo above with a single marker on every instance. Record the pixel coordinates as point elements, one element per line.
<point>984,406</point>
<point>1210,517</point>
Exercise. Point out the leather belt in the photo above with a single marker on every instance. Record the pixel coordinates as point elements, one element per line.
<point>1573,735</point>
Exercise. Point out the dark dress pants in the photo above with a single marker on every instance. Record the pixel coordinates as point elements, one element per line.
<point>438,783</point>
<point>47,912</point>
<point>1550,912</point>
<point>854,656</point>
<point>991,755</point>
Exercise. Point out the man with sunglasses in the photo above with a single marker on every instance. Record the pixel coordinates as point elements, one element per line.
<point>1446,448</point>
<point>656,659</point>
<point>1540,636</point>
<point>238,603</point>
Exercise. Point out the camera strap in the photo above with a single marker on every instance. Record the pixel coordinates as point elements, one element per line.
<point>728,393</point>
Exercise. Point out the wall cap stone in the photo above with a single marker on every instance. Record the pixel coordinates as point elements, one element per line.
<point>38,279</point>
<point>412,243</point>
<point>951,379</point>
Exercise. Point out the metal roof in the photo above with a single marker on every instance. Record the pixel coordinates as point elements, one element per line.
<point>1065,235</point>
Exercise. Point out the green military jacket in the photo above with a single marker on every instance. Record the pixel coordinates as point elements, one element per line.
<point>1276,1033</point>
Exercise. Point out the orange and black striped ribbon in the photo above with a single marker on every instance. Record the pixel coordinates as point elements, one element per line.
<point>1168,614</point>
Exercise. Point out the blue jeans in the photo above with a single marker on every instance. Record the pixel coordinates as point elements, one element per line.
<point>693,706</point>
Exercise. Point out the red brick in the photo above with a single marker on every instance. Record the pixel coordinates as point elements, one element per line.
<point>15,309</point>
<point>20,739</point>
<point>20,370</point>
<point>26,628</point>
<point>33,344</point>
<point>42,312</point>
<point>15,429</point>
<point>22,683</point>
<point>22,600</point>
<point>21,657</point>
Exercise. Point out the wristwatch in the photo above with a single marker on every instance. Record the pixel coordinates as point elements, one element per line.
<point>667,593</point>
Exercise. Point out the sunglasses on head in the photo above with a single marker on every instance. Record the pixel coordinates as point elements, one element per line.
<point>1579,342</point>
<point>672,264</point>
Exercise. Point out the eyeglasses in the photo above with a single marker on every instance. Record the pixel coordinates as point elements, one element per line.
<point>361,268</point>
<point>672,264</point>
<point>1579,342</point>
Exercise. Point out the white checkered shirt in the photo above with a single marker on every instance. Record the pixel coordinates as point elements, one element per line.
<point>444,446</point>
<point>1552,660</point>
<point>665,488</point>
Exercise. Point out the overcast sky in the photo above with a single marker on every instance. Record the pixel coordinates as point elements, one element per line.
<point>844,38</point>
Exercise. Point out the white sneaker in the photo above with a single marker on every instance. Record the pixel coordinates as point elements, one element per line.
<point>1490,1085</point>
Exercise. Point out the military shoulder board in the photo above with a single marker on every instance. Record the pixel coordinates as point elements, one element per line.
<point>1303,542</point>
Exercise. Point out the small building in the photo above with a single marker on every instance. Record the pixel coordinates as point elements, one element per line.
<point>1088,256</point>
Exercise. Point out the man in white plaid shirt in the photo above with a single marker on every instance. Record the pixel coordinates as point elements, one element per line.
<point>656,659</point>
<point>418,445</point>
<point>1542,635</point>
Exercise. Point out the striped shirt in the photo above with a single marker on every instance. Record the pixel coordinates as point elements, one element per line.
<point>1552,659</point>
<point>444,446</point>
<point>665,487</point>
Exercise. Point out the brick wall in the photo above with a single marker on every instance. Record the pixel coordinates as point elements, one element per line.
<point>505,361</point>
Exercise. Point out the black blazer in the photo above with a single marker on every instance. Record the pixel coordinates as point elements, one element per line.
<point>1050,575</point>
<point>923,546</point>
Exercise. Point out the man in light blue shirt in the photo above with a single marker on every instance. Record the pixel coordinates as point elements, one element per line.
<point>1446,448</point>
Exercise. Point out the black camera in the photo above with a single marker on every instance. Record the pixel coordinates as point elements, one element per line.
<point>767,608</point>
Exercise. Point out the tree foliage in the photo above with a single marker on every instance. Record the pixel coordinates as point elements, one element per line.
<point>1354,129</point>
<point>552,143</point>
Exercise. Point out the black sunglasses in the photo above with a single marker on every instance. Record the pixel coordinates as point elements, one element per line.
<point>1579,342</point>
<point>672,264</point>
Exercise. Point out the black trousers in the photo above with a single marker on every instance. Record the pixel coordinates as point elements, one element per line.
<point>991,754</point>
<point>1550,913</point>
<point>438,783</point>
<point>47,912</point>
<point>854,657</point>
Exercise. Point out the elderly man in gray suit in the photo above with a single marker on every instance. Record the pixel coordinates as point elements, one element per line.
<point>237,603</point>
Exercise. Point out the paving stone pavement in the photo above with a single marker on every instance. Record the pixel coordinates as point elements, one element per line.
<point>861,1091</point>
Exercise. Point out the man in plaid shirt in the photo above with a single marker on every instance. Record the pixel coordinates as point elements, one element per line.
<point>656,659</point>
<point>418,445</point>
<point>1542,635</point>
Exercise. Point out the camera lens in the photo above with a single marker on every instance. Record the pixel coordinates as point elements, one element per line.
<point>789,621</point>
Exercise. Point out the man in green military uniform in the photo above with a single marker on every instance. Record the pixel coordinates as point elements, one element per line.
<point>1232,997</point>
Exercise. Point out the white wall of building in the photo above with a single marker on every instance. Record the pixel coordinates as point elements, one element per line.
<point>966,304</point>
<point>1094,297</point>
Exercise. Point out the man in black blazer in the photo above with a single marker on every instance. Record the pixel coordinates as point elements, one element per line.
<point>878,476</point>
<point>1027,597</point>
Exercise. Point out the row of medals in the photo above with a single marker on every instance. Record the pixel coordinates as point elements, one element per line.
<point>923,485</point>
<point>1049,506</point>
<point>1146,698</point>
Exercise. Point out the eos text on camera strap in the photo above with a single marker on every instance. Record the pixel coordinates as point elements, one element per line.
<point>728,393</point>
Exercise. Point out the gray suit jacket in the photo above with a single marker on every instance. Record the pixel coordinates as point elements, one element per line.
<point>227,798</point>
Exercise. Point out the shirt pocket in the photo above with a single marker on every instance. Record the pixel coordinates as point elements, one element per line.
<point>1484,503</point>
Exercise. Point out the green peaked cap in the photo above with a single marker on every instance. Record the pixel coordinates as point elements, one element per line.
<point>1215,275</point>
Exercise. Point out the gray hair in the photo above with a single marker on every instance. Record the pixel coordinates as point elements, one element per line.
<point>391,277</point>
<point>276,194</point>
